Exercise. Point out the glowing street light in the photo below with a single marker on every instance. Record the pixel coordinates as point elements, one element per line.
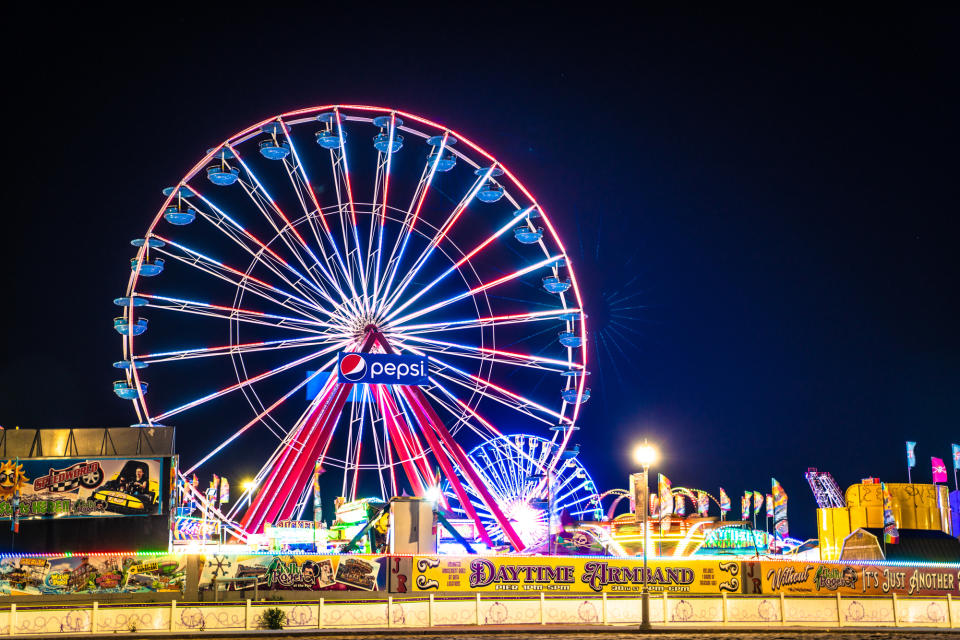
<point>645,455</point>
<point>249,485</point>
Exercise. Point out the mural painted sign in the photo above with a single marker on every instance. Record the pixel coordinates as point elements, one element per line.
<point>80,487</point>
<point>849,579</point>
<point>86,574</point>
<point>579,575</point>
<point>296,573</point>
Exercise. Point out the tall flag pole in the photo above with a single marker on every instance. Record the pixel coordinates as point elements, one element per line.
<point>769,514</point>
<point>724,504</point>
<point>911,459</point>
<point>891,535</point>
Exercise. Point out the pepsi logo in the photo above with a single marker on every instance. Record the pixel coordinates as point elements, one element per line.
<point>352,367</point>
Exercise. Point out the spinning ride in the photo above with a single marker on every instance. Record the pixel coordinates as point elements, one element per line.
<point>352,229</point>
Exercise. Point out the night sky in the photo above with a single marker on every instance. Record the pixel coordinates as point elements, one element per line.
<point>774,195</point>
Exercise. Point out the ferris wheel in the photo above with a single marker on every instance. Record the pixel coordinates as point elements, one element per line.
<point>342,229</point>
<point>516,469</point>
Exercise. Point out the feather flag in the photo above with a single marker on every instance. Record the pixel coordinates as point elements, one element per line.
<point>724,501</point>
<point>939,470</point>
<point>891,535</point>
<point>703,504</point>
<point>666,501</point>
<point>780,525</point>
<point>769,505</point>
<point>745,506</point>
<point>195,483</point>
<point>757,502</point>
<point>679,505</point>
<point>911,457</point>
<point>654,506</point>
<point>956,456</point>
<point>224,490</point>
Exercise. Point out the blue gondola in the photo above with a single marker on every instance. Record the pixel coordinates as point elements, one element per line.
<point>273,128</point>
<point>128,364</point>
<point>436,141</point>
<point>329,139</point>
<point>553,284</point>
<point>573,316</point>
<point>444,164</point>
<point>184,192</point>
<point>272,150</point>
<point>490,192</point>
<point>526,235</point>
<point>123,327</point>
<point>148,269</point>
<point>570,339</point>
<point>180,216</point>
<point>570,395</point>
<point>574,451</point>
<point>221,175</point>
<point>152,243</point>
<point>381,142</point>
<point>223,153</point>
<point>125,302</point>
<point>384,121</point>
<point>127,391</point>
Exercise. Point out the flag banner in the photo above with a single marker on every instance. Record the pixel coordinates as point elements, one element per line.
<point>780,525</point>
<point>679,505</point>
<point>195,482</point>
<point>911,458</point>
<point>15,523</point>
<point>666,502</point>
<point>745,506</point>
<point>939,470</point>
<point>224,490</point>
<point>724,500</point>
<point>769,505</point>
<point>891,535</point>
<point>757,502</point>
<point>703,504</point>
<point>956,456</point>
<point>654,506</point>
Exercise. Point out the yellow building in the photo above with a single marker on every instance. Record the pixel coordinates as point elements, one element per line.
<point>915,506</point>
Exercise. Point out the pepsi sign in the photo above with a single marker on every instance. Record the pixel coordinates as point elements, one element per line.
<point>382,368</point>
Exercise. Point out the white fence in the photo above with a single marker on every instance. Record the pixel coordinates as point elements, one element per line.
<point>430,611</point>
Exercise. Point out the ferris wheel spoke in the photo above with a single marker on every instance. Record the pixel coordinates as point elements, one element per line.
<point>341,171</point>
<point>475,290</point>
<point>259,417</point>
<point>224,223</point>
<point>457,265</point>
<point>235,314</point>
<point>229,349</point>
<point>441,233</point>
<point>474,323</point>
<point>495,393</point>
<point>327,270</point>
<point>410,219</point>
<point>248,381</point>
<point>497,355</point>
<point>247,282</point>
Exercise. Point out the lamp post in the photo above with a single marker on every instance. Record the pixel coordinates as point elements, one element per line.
<point>645,455</point>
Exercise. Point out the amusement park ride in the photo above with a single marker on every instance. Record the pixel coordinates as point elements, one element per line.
<point>364,230</point>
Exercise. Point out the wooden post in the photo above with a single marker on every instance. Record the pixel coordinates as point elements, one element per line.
<point>839,611</point>
<point>389,611</point>
<point>248,615</point>
<point>430,611</point>
<point>478,608</point>
<point>93,616</point>
<point>896,614</point>
<point>949,611</point>
<point>173,614</point>
<point>783,609</point>
<point>320,614</point>
<point>666,609</point>
<point>543,606</point>
<point>603,608</point>
<point>723,596</point>
<point>13,617</point>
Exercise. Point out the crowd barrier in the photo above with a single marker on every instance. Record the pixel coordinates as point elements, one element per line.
<point>440,611</point>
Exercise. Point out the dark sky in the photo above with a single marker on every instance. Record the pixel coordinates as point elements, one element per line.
<point>777,192</point>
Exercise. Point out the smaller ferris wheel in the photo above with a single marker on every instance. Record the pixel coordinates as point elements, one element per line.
<point>516,470</point>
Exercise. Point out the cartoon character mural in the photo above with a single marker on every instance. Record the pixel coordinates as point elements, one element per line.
<point>11,478</point>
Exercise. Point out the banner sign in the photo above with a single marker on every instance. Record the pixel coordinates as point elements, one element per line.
<point>92,575</point>
<point>296,573</point>
<point>382,368</point>
<point>81,487</point>
<point>575,575</point>
<point>795,578</point>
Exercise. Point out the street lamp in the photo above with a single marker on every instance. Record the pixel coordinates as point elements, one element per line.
<point>645,455</point>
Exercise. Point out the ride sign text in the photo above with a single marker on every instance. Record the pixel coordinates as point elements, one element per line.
<point>382,368</point>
